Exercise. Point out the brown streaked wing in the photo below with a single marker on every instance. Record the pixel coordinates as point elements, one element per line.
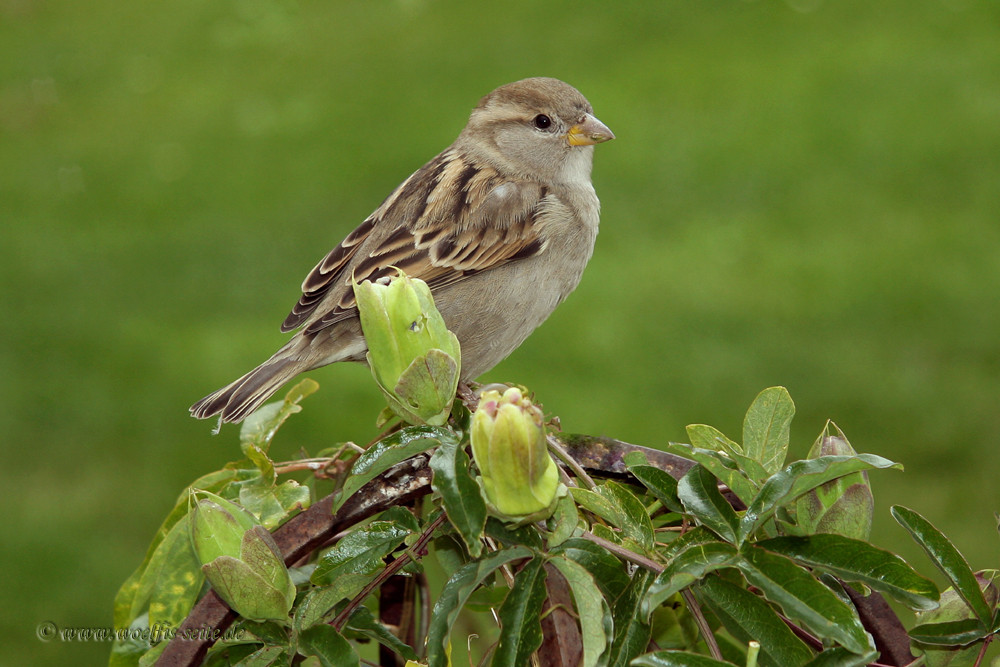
<point>470,220</point>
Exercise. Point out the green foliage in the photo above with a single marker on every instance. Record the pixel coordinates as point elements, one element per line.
<point>710,569</point>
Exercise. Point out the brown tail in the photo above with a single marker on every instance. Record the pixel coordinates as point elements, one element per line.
<point>238,399</point>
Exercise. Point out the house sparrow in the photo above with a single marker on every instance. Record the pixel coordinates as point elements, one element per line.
<point>500,226</point>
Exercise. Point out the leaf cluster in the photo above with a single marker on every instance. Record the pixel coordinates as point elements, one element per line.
<point>696,563</point>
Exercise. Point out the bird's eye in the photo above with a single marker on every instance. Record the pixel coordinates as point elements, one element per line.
<point>542,122</point>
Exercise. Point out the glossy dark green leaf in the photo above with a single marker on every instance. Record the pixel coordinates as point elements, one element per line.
<point>707,437</point>
<point>687,567</point>
<point>608,572</point>
<point>460,494</point>
<point>855,560</point>
<point>520,617</point>
<point>324,643</point>
<point>387,452</point>
<point>511,536</point>
<point>949,633</point>
<point>659,482</point>
<point>321,599</point>
<point>838,656</point>
<point>947,558</point>
<point>635,521</point>
<point>453,596</point>
<point>747,617</point>
<point>766,427</point>
<point>363,621</point>
<point>631,632</point>
<point>592,609</point>
<point>804,599</point>
<point>800,477</point>
<point>720,465</point>
<point>564,521</point>
<point>677,659</point>
<point>600,505</point>
<point>699,492</point>
<point>265,656</point>
<point>361,551</point>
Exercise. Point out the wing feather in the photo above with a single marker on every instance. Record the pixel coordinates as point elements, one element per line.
<point>451,220</point>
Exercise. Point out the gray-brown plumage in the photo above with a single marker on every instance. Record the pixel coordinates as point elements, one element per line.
<point>500,226</point>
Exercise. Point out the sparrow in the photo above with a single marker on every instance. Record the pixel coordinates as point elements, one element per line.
<point>500,225</point>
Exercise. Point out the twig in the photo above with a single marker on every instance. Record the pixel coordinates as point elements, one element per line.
<point>982,651</point>
<point>419,549</point>
<point>564,456</point>
<point>699,618</point>
<point>621,551</point>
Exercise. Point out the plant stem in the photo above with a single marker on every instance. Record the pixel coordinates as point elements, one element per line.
<point>418,549</point>
<point>621,551</point>
<point>570,462</point>
<point>699,618</point>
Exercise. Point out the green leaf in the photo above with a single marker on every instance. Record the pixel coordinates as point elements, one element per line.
<point>631,632</point>
<point>259,428</point>
<point>460,495</point>
<point>838,656</point>
<point>328,646</point>
<point>659,482</point>
<point>320,600</point>
<point>363,621</point>
<point>677,659</point>
<point>591,608</point>
<point>804,599</point>
<point>947,559</point>
<point>361,551</point>
<point>699,492</point>
<point>634,520</point>
<point>747,617</point>
<point>710,438</point>
<point>173,579</point>
<point>520,617</point>
<point>564,520</point>
<point>510,536</point>
<point>605,568</point>
<point>274,504</point>
<point>950,633</point>
<point>855,560</point>
<point>766,426</point>
<point>130,601</point>
<point>720,465</point>
<point>800,477</point>
<point>686,567</point>
<point>453,596</point>
<point>387,452</point>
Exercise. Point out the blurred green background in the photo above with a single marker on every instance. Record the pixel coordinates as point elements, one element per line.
<point>802,193</point>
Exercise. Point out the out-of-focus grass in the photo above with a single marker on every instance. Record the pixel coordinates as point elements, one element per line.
<point>801,193</point>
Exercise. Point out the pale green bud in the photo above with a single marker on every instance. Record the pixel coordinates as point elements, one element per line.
<point>241,560</point>
<point>518,477</point>
<point>414,358</point>
<point>843,506</point>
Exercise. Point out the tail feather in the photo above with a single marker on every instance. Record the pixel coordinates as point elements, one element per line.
<point>239,398</point>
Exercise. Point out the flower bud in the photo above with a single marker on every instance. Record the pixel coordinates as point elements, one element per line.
<point>414,358</point>
<point>843,506</point>
<point>518,477</point>
<point>241,560</point>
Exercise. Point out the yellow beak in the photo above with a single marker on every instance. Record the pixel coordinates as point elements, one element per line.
<point>588,132</point>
